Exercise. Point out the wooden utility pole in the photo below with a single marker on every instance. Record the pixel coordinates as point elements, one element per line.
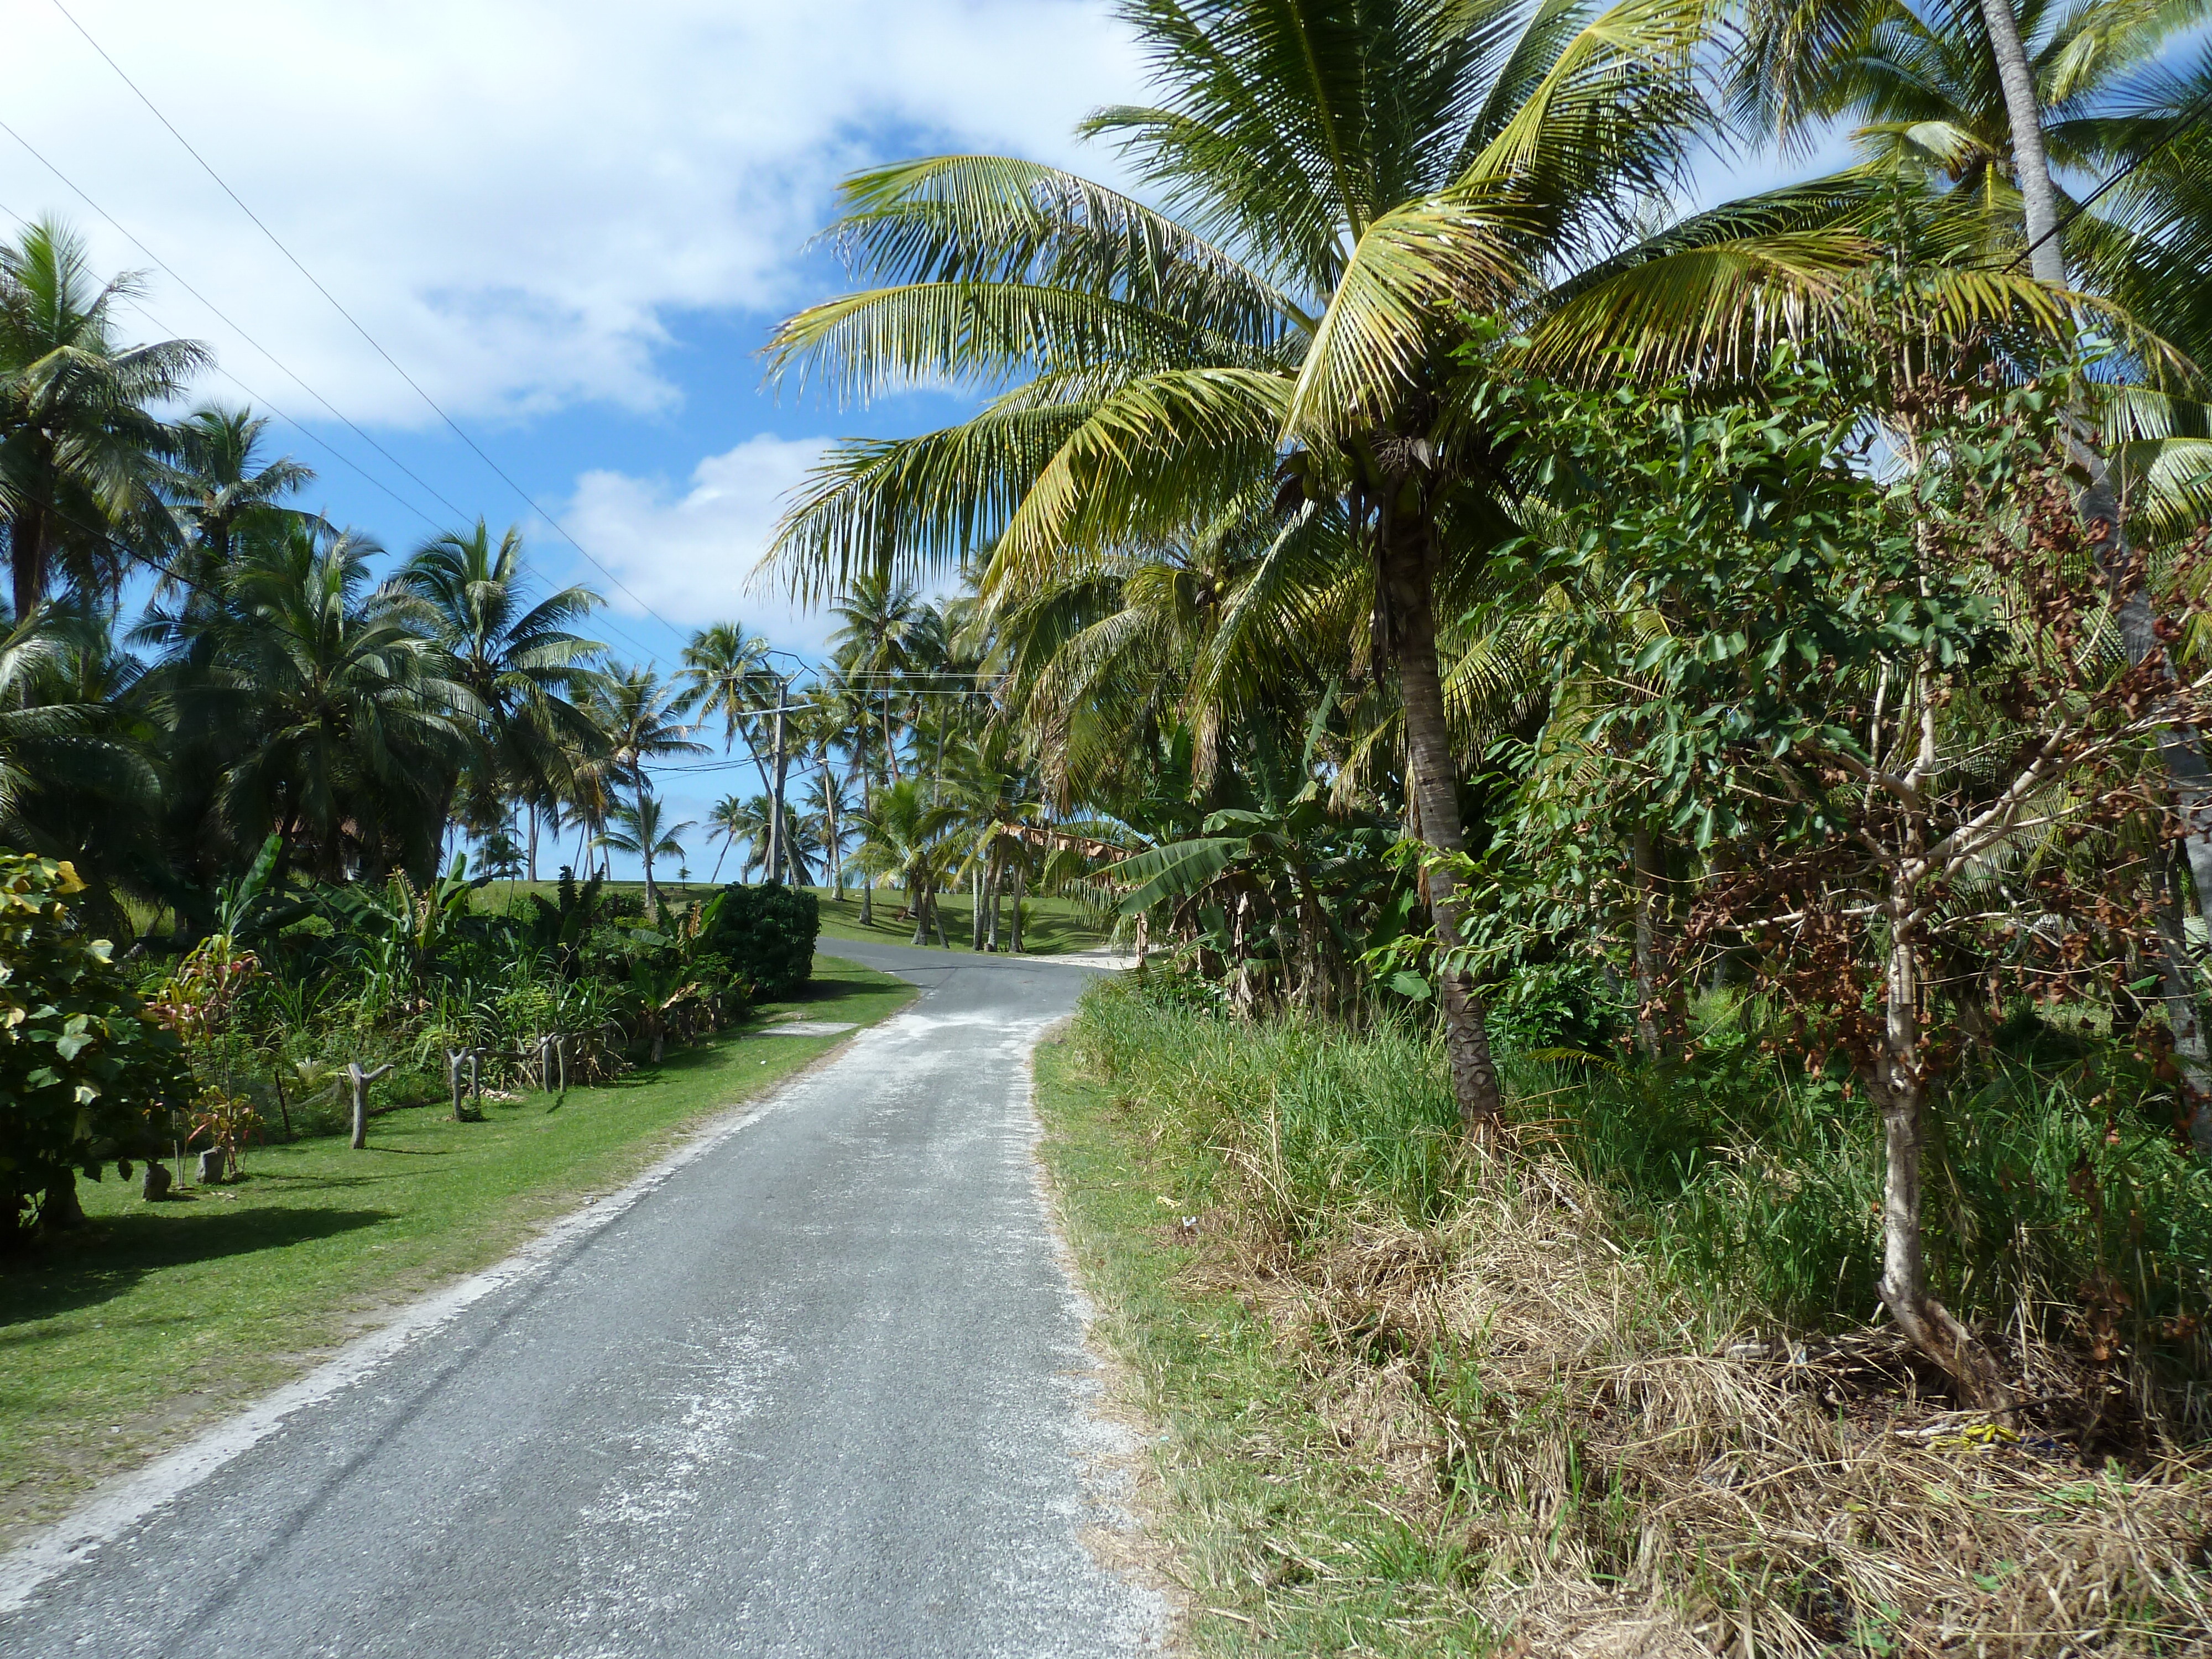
<point>777,851</point>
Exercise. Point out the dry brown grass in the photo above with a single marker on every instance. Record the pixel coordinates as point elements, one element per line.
<point>1636,1481</point>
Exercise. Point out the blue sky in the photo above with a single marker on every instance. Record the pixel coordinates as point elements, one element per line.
<point>573,223</point>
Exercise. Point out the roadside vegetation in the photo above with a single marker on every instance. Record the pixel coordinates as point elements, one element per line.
<point>1654,757</point>
<point>1616,1392</point>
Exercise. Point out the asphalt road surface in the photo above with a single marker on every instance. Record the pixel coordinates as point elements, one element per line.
<point>821,1391</point>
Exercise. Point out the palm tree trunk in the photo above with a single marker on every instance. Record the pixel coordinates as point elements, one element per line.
<point>867,878</point>
<point>1014,913</point>
<point>2189,779</point>
<point>2039,198</point>
<point>991,889</point>
<point>1408,593</point>
<point>533,841</point>
<point>29,555</point>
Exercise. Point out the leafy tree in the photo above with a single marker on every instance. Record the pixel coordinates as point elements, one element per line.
<point>1872,705</point>
<point>87,1079</point>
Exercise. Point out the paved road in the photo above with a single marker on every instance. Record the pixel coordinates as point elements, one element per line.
<point>822,1391</point>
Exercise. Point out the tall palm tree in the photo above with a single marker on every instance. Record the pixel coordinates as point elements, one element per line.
<point>829,823</point>
<point>729,823</point>
<point>524,667</point>
<point>880,622</point>
<point>639,718</point>
<point>80,433</point>
<point>217,483</point>
<point>1349,179</point>
<point>726,673</point>
<point>643,830</point>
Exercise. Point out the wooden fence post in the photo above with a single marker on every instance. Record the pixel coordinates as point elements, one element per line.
<point>360,1081</point>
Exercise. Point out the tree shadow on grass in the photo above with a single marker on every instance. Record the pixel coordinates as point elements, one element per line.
<point>818,992</point>
<point>114,1252</point>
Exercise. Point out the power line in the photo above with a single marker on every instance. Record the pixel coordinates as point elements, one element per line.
<point>286,368</point>
<point>2182,123</point>
<point>224,316</point>
<point>453,425</point>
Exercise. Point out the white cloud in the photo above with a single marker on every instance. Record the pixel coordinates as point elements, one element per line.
<point>690,555</point>
<point>513,196</point>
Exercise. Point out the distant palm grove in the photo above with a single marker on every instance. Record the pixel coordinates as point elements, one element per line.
<point>1739,671</point>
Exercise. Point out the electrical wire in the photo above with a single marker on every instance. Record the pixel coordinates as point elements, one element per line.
<point>338,415</point>
<point>453,425</point>
<point>2183,122</point>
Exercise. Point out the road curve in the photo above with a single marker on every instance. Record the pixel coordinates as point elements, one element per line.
<point>822,1391</point>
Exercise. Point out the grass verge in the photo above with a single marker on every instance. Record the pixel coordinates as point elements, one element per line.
<point>1419,1403</point>
<point>119,1342</point>
<point>1282,1545</point>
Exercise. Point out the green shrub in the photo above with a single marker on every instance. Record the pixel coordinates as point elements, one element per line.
<point>767,934</point>
<point>87,1079</point>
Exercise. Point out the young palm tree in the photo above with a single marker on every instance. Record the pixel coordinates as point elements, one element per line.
<point>80,439</point>
<point>643,830</point>
<point>905,835</point>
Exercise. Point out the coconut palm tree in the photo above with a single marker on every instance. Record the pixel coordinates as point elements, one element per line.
<point>59,684</point>
<point>881,621</point>
<point>639,718</point>
<point>347,728</point>
<point>726,673</point>
<point>906,835</point>
<point>729,823</point>
<point>79,437</point>
<point>1349,180</point>
<point>217,484</point>
<point>643,830</point>
<point>523,665</point>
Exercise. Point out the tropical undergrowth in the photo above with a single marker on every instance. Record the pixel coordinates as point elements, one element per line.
<point>1616,1388</point>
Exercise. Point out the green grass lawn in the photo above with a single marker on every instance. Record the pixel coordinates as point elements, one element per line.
<point>1054,925</point>
<point>115,1344</point>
